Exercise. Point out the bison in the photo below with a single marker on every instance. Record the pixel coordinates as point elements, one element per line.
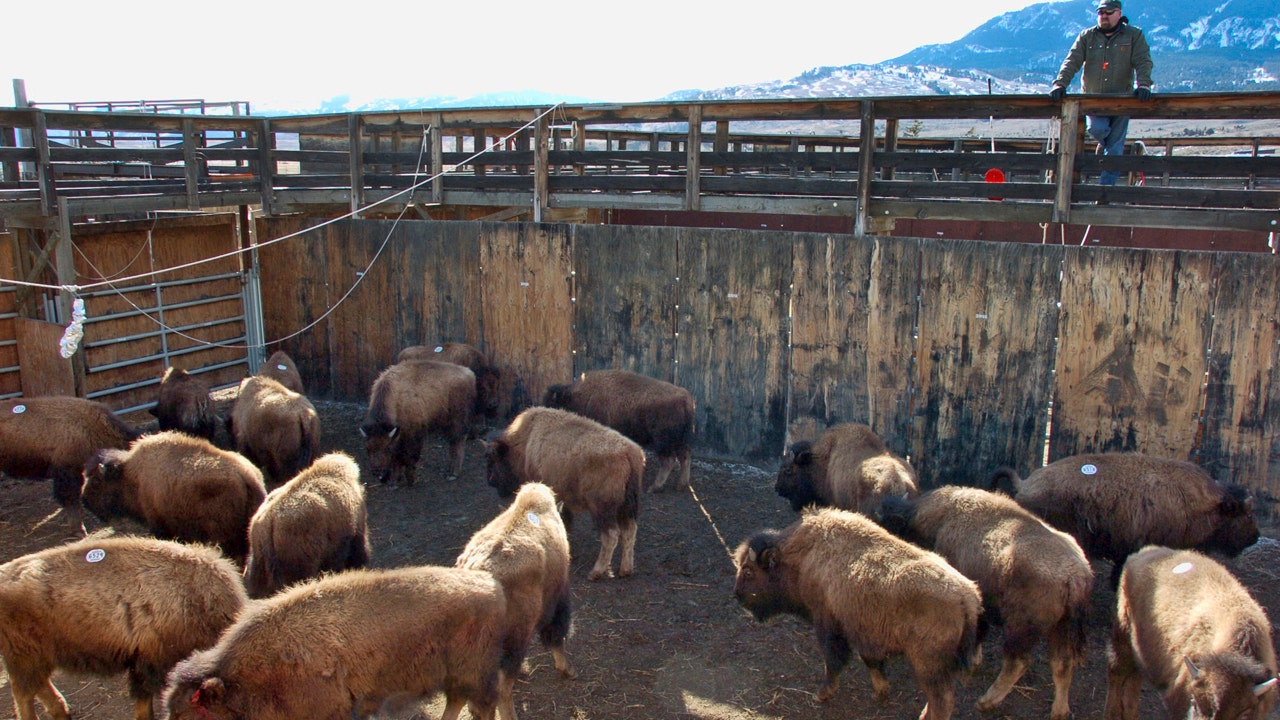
<point>275,427</point>
<point>866,591</point>
<point>1117,503</point>
<point>315,523</point>
<point>590,467</point>
<point>280,367</point>
<point>53,437</point>
<point>110,605</point>
<point>527,550</point>
<point>658,415</point>
<point>409,400</point>
<point>1036,579</point>
<point>488,377</point>
<point>180,486</point>
<point>1186,625</point>
<point>341,646</point>
<point>184,403</point>
<point>848,467</point>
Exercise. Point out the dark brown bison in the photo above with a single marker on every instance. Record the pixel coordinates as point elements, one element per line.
<point>656,414</point>
<point>527,550</point>
<point>53,437</point>
<point>591,468</point>
<point>313,524</point>
<point>869,592</point>
<point>275,427</point>
<point>848,467</point>
<point>280,367</point>
<point>1117,503</point>
<point>1187,626</point>
<point>1037,579</point>
<point>339,647</point>
<point>110,605</point>
<point>488,377</point>
<point>184,403</point>
<point>408,401</point>
<point>180,486</point>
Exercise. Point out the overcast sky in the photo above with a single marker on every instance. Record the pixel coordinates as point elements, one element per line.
<point>278,54</point>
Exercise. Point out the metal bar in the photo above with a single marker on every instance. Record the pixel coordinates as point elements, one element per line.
<point>160,356</point>
<point>162,332</point>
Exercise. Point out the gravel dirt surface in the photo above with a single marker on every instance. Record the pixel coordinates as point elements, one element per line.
<point>668,642</point>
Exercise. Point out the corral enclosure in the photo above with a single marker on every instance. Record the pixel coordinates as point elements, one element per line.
<point>956,352</point>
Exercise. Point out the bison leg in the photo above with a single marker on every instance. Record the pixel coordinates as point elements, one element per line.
<point>1064,651</point>
<point>554,632</point>
<point>1124,683</point>
<point>1010,671</point>
<point>940,700</point>
<point>627,565</point>
<point>667,464</point>
<point>457,450</point>
<point>66,491</point>
<point>608,542</point>
<point>684,468</point>
<point>879,683</point>
<point>835,654</point>
<point>26,689</point>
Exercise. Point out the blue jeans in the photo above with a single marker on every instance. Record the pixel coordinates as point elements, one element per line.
<point>1110,132</point>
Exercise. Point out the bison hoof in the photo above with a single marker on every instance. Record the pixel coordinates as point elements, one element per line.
<point>599,575</point>
<point>825,693</point>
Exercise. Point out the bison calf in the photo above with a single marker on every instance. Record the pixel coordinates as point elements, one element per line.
<point>527,549</point>
<point>1037,579</point>
<point>658,415</point>
<point>339,647</point>
<point>1187,626</point>
<point>180,486</point>
<point>408,401</point>
<point>1117,503</point>
<point>849,467</point>
<point>313,524</point>
<point>591,468</point>
<point>184,403</point>
<point>110,605</point>
<point>280,367</point>
<point>275,427</point>
<point>866,591</point>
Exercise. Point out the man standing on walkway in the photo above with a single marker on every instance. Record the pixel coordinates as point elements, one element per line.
<point>1116,61</point>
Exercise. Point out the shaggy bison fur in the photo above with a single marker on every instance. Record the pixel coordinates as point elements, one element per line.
<point>275,427</point>
<point>313,524</point>
<point>184,403</point>
<point>408,401</point>
<point>848,467</point>
<point>591,468</point>
<point>488,377</point>
<point>280,367</point>
<point>1187,626</point>
<point>110,605</point>
<point>180,486</point>
<point>656,414</point>
<point>869,592</point>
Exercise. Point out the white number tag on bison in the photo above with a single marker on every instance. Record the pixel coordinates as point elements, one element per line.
<point>95,555</point>
<point>533,518</point>
<point>19,409</point>
<point>1089,469</point>
<point>1182,568</point>
<point>282,367</point>
<point>440,349</point>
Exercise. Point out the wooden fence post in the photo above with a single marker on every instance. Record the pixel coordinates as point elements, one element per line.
<point>355,136</point>
<point>541,177</point>
<point>437,159</point>
<point>191,164</point>
<point>266,166</point>
<point>866,149</point>
<point>693,166</point>
<point>1068,145</point>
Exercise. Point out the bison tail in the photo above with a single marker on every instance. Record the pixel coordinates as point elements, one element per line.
<point>969,650</point>
<point>1004,480</point>
<point>630,508</point>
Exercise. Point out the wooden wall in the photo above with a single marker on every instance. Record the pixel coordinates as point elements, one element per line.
<point>965,355</point>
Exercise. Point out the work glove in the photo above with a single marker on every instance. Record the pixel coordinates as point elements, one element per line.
<point>1057,93</point>
<point>1144,94</point>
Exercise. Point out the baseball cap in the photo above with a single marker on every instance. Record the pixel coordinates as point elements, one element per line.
<point>1108,4</point>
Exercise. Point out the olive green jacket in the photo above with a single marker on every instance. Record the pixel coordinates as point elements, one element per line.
<point>1111,64</point>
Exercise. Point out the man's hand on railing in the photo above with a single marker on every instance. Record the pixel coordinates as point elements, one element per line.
<point>1143,93</point>
<point>1057,93</point>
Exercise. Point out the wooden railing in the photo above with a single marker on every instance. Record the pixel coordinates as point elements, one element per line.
<point>783,156</point>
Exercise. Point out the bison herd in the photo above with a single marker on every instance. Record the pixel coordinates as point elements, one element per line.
<point>255,597</point>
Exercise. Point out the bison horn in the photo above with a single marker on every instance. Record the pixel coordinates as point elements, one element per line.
<point>393,432</point>
<point>1191,667</point>
<point>363,434</point>
<point>1262,687</point>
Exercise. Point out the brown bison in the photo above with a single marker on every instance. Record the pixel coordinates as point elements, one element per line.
<point>869,592</point>
<point>1117,503</point>
<point>184,403</point>
<point>110,605</point>
<point>280,367</point>
<point>339,647</point>
<point>313,524</point>
<point>1035,578</point>
<point>408,401</point>
<point>1187,626</point>
<point>656,414</point>
<point>849,467</point>
<point>591,468</point>
<point>53,437</point>
<point>275,427</point>
<point>488,377</point>
<point>527,550</point>
<point>180,486</point>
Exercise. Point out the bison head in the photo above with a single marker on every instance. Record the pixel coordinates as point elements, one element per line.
<point>502,477</point>
<point>895,515</point>
<point>103,488</point>
<point>795,477</point>
<point>1225,685</point>
<point>758,586</point>
<point>1235,527</point>
<point>558,396</point>
<point>379,442</point>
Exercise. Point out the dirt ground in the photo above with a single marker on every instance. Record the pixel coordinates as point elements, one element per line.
<point>668,642</point>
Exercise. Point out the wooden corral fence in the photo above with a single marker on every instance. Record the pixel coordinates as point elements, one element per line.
<point>964,355</point>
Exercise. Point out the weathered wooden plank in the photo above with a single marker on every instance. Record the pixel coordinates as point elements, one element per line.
<point>1242,407</point>
<point>1131,351</point>
<point>734,296</point>
<point>527,309</point>
<point>627,293</point>
<point>988,317</point>
<point>296,294</point>
<point>439,300</point>
<point>364,261</point>
<point>43,370</point>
